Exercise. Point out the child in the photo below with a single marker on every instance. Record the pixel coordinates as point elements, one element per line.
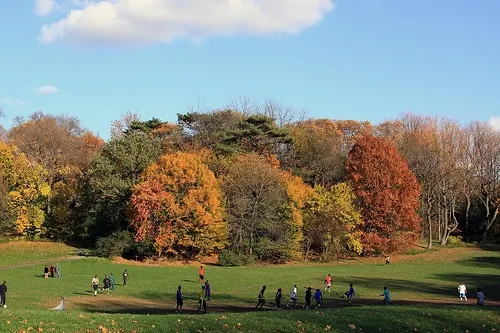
<point>46,272</point>
<point>328,282</point>
<point>180,300</point>
<point>319,298</point>
<point>480,297</point>
<point>261,300</point>
<point>277,299</point>
<point>349,294</point>
<point>462,292</point>
<point>95,284</point>
<point>293,297</point>
<point>387,296</point>
<point>387,260</point>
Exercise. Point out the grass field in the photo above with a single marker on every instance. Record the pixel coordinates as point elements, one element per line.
<point>423,287</point>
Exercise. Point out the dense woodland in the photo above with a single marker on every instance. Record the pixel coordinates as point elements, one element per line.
<point>250,182</point>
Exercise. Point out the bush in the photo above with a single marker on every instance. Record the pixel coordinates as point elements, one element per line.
<point>113,245</point>
<point>140,251</point>
<point>455,241</point>
<point>229,258</point>
<point>274,252</point>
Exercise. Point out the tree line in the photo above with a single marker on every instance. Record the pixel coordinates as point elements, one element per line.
<point>250,182</point>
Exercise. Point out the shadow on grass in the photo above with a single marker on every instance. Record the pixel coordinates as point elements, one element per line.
<point>489,283</point>
<point>482,262</point>
<point>224,303</point>
<point>396,285</point>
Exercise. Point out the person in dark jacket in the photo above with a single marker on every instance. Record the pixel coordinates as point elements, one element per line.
<point>3,294</point>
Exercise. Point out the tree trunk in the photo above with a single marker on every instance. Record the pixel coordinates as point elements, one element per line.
<point>467,211</point>
<point>429,220</point>
<point>489,223</point>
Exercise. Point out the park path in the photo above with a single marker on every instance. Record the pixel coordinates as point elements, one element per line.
<point>41,262</point>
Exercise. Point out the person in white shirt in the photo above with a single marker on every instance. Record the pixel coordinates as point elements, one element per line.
<point>480,297</point>
<point>293,297</point>
<point>95,284</point>
<point>462,292</point>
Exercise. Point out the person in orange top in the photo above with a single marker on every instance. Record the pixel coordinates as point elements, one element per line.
<point>328,282</point>
<point>201,273</point>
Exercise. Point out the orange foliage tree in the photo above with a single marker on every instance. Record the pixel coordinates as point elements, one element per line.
<point>177,207</point>
<point>388,194</point>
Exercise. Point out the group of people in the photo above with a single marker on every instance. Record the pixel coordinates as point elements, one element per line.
<point>52,271</point>
<point>318,296</point>
<point>108,283</point>
<point>462,293</point>
<point>204,297</point>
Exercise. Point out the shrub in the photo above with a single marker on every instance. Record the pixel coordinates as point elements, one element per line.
<point>140,251</point>
<point>455,240</point>
<point>113,245</point>
<point>228,258</point>
<point>272,251</point>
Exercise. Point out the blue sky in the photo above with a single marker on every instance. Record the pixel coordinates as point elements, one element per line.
<point>354,59</point>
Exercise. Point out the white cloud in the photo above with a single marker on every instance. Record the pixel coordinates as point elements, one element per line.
<point>44,7</point>
<point>47,90</point>
<point>13,102</point>
<point>162,21</point>
<point>495,123</point>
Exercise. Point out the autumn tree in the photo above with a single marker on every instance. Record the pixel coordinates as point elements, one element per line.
<point>177,206</point>
<point>264,209</point>
<point>331,222</point>
<point>388,195</point>
<point>119,126</point>
<point>106,188</point>
<point>316,152</point>
<point>485,157</point>
<point>54,142</point>
<point>23,189</point>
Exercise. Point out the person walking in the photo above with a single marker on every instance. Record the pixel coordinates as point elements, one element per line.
<point>277,298</point>
<point>462,291</point>
<point>293,297</point>
<point>111,281</point>
<point>125,278</point>
<point>261,300</point>
<point>203,300</point>
<point>387,296</point>
<point>3,294</point>
<point>180,300</point>
<point>58,271</point>
<point>95,284</point>
<point>328,283</point>
<point>318,296</point>
<point>201,274</point>
<point>308,298</point>
<point>208,290</point>
<point>480,297</point>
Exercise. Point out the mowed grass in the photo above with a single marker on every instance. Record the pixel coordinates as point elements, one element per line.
<point>423,288</point>
<point>19,253</point>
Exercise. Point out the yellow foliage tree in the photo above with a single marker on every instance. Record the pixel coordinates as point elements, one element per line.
<point>177,206</point>
<point>27,188</point>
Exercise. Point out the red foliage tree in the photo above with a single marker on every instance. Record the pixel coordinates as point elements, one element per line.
<point>388,194</point>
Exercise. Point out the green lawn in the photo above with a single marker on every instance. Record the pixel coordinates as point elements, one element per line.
<point>423,288</point>
<point>18,253</point>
